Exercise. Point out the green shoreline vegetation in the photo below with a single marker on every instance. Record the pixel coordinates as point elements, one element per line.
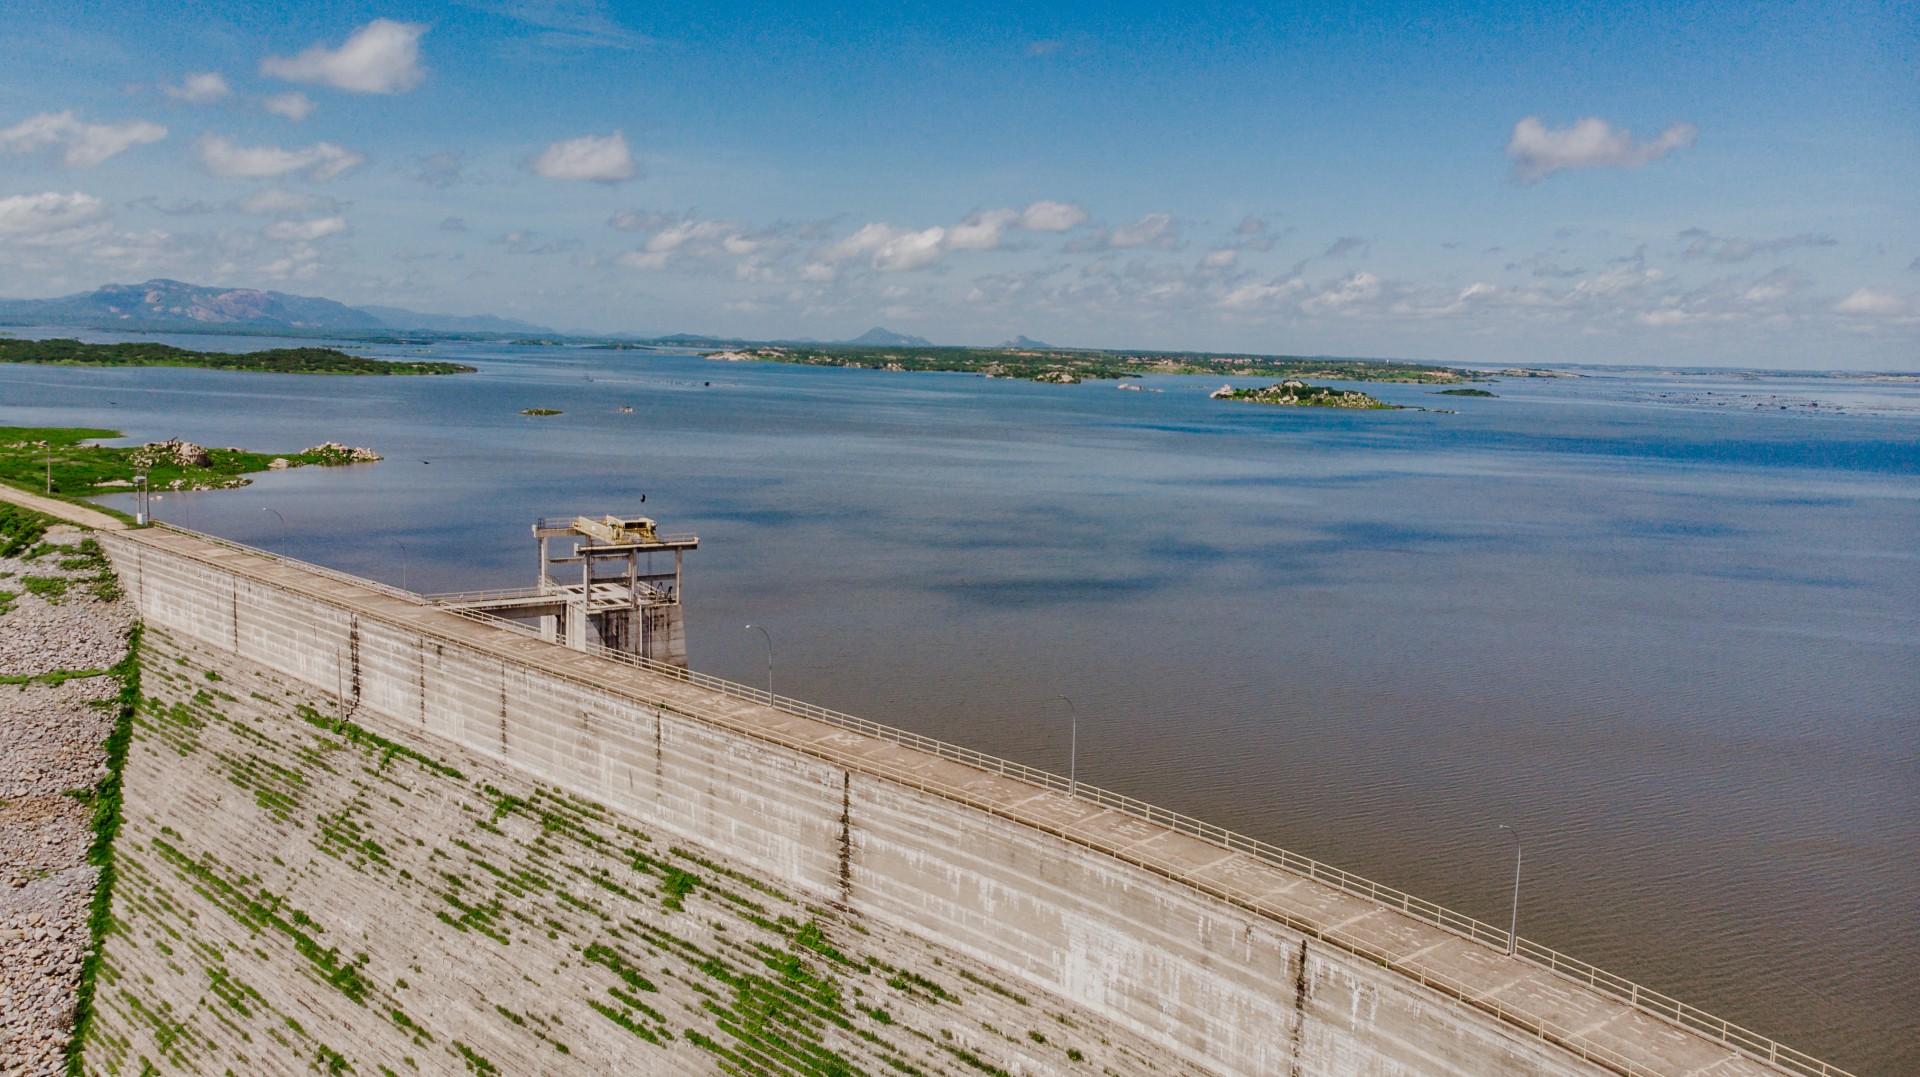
<point>80,468</point>
<point>65,352</point>
<point>1067,366</point>
<point>1294,393</point>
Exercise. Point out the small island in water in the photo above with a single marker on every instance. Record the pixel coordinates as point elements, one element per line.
<point>65,352</point>
<point>1294,393</point>
<point>78,467</point>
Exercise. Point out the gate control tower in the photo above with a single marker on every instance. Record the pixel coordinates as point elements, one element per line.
<point>615,598</point>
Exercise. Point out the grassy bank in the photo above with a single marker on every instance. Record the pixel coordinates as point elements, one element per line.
<point>80,468</point>
<point>63,352</point>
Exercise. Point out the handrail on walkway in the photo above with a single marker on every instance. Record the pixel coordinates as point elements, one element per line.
<point>1746,1041</point>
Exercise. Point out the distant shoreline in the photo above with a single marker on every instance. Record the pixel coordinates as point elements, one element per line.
<point>1063,366</point>
<point>62,351</point>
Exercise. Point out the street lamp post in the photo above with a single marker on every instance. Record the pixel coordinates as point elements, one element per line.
<point>769,636</point>
<point>142,513</point>
<point>1513,925</point>
<point>283,523</point>
<point>403,563</point>
<point>1073,748</point>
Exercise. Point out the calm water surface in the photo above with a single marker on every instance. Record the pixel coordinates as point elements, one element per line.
<point>1666,625</point>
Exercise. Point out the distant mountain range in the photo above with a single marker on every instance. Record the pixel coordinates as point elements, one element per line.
<point>889,338</point>
<point>176,305</point>
<point>1024,341</point>
<point>162,305</point>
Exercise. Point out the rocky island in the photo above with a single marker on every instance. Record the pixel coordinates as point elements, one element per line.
<point>66,461</point>
<point>1298,394</point>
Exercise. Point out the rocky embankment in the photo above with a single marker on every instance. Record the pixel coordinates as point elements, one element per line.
<point>64,622</point>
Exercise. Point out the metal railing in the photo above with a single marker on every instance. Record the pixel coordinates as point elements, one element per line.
<point>1743,1040</point>
<point>492,594</point>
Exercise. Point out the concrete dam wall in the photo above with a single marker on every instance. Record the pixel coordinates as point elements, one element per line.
<point>365,835</point>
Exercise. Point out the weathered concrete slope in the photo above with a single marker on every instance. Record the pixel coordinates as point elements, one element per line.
<point>297,891</point>
<point>955,877</point>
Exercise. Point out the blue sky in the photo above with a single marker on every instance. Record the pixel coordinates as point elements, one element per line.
<point>1657,183</point>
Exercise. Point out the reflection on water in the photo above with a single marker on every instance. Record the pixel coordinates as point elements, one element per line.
<point>1672,641</point>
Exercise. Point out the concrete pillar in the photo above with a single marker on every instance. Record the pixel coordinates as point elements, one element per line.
<point>577,625</point>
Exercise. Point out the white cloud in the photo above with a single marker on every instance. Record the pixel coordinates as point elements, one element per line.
<point>1626,277</point>
<point>1539,152</point>
<point>1154,228</point>
<point>319,162</point>
<point>279,202</point>
<point>1253,296</point>
<point>892,250</point>
<point>774,254</point>
<point>307,231</point>
<point>381,57</point>
<point>589,158</point>
<point>199,88</point>
<point>80,144</point>
<point>1220,259</point>
<point>1874,302</point>
<point>1044,216</point>
<point>51,219</point>
<point>1340,298</point>
<point>293,105</point>
<point>678,235</point>
<point>981,230</point>
<point>681,240</point>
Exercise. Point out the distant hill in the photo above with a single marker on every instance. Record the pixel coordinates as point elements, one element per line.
<point>1024,341</point>
<point>399,318</point>
<point>176,305</point>
<point>885,337</point>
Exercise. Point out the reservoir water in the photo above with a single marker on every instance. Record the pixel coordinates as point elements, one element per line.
<point>1666,625</point>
